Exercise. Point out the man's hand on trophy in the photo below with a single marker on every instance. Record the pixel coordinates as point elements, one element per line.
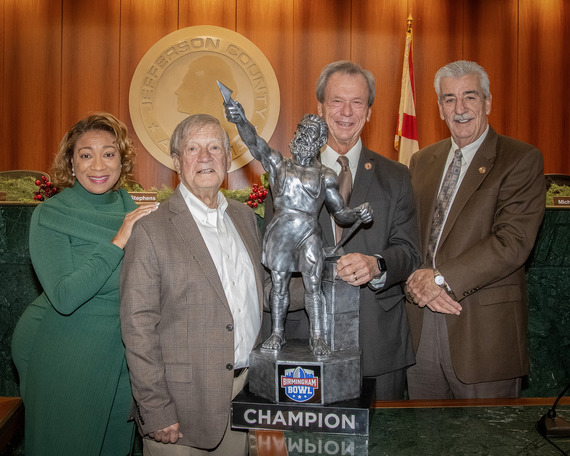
<point>234,112</point>
<point>364,212</point>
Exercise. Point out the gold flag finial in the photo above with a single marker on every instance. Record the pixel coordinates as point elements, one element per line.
<point>409,23</point>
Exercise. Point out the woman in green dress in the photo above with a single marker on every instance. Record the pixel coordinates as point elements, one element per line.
<point>67,345</point>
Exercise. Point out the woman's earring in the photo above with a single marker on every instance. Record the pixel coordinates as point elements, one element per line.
<point>72,171</point>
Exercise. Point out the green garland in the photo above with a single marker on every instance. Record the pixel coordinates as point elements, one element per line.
<point>22,190</point>
<point>556,190</point>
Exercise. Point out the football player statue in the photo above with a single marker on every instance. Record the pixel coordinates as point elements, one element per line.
<point>293,242</point>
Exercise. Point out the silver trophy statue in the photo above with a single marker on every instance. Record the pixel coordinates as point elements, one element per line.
<point>293,243</point>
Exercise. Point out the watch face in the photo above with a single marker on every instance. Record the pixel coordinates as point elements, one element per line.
<point>439,280</point>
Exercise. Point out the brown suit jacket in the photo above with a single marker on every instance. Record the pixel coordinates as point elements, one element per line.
<point>177,325</point>
<point>488,235</point>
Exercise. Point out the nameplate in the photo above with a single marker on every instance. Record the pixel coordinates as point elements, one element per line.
<point>2,196</point>
<point>143,197</point>
<point>352,417</point>
<point>299,418</point>
<point>561,201</point>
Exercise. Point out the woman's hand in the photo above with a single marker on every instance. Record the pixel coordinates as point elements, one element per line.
<point>124,233</point>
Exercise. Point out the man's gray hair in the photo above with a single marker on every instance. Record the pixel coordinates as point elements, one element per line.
<point>459,69</point>
<point>346,67</point>
<point>192,124</point>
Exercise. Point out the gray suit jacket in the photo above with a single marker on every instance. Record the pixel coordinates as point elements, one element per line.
<point>384,331</point>
<point>488,235</point>
<point>177,325</point>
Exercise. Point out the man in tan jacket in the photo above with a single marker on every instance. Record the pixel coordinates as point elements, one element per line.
<point>191,302</point>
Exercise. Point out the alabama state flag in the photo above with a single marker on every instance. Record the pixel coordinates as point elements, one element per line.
<point>406,141</point>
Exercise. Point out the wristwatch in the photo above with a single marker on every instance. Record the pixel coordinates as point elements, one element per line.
<point>440,282</point>
<point>381,266</point>
<point>439,279</point>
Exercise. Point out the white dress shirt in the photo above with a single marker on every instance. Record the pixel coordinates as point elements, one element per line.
<point>235,270</point>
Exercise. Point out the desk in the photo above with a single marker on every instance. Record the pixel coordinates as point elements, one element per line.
<point>425,428</point>
<point>11,419</point>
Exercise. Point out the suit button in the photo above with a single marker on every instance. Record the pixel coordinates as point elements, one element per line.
<point>229,366</point>
<point>230,327</point>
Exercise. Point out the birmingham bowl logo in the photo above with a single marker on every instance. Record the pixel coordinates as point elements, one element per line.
<point>299,384</point>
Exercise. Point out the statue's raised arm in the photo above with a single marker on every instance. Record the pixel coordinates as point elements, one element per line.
<point>255,143</point>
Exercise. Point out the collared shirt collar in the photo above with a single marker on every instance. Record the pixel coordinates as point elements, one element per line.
<point>469,150</point>
<point>202,213</point>
<point>329,157</point>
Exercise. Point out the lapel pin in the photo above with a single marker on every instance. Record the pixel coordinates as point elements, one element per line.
<point>367,165</point>
<point>482,170</point>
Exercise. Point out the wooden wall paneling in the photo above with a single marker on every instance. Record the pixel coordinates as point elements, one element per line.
<point>61,59</point>
<point>490,39</point>
<point>544,81</point>
<point>31,84</point>
<point>142,25</point>
<point>269,25</point>
<point>91,37</point>
<point>221,13</point>
<point>322,35</point>
<point>438,40</point>
<point>378,37</point>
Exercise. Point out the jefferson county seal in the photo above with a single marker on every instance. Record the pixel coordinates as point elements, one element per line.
<point>177,77</point>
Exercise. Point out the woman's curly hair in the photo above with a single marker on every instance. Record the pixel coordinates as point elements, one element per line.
<point>61,171</point>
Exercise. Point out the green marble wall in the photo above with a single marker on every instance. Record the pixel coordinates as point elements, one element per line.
<point>547,278</point>
<point>18,285</point>
<point>548,288</point>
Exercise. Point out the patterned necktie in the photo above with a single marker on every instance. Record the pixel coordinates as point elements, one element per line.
<point>344,188</point>
<point>442,203</point>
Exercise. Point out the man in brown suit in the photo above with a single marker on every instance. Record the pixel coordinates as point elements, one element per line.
<point>467,303</point>
<point>191,302</point>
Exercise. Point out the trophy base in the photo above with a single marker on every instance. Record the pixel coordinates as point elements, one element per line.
<point>294,375</point>
<point>352,417</point>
